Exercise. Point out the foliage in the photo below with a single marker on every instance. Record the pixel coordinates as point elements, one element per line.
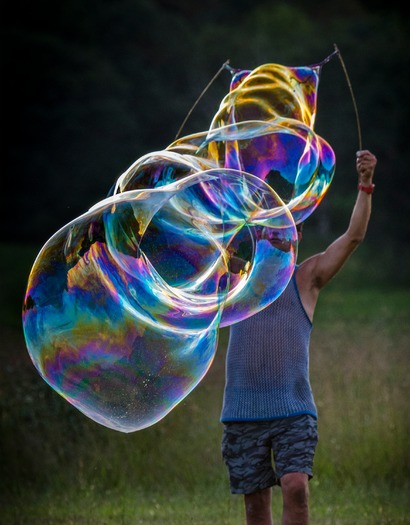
<point>57,466</point>
<point>91,86</point>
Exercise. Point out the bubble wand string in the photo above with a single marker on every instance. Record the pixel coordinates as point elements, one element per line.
<point>337,52</point>
<point>325,60</point>
<point>224,66</point>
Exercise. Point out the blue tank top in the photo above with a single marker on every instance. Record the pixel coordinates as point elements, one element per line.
<point>267,363</point>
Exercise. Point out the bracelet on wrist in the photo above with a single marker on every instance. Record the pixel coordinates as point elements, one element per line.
<point>367,189</point>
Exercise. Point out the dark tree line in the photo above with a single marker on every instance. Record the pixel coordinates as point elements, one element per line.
<point>88,86</point>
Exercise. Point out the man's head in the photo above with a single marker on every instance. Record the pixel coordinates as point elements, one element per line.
<point>299,229</point>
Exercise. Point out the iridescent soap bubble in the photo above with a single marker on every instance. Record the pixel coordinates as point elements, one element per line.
<point>269,92</point>
<point>264,126</point>
<point>124,303</point>
<point>160,168</point>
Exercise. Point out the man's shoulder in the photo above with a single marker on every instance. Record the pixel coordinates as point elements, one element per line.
<point>305,282</point>
<point>306,270</point>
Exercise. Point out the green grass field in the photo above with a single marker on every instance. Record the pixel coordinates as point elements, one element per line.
<point>57,467</point>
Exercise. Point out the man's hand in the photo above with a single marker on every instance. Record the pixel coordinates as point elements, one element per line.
<point>365,165</point>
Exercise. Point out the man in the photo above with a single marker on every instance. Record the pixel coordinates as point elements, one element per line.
<point>268,403</point>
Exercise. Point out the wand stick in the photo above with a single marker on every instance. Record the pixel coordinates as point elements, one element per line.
<point>224,66</point>
<point>352,95</point>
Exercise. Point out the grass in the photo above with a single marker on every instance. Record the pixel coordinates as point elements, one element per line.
<point>202,508</point>
<point>59,467</point>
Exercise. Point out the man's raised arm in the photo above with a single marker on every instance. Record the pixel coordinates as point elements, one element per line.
<point>319,269</point>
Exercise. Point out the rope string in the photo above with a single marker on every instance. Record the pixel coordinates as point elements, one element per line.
<point>224,66</point>
<point>337,52</point>
<point>351,94</point>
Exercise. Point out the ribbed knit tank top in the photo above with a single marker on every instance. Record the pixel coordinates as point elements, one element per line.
<point>267,363</point>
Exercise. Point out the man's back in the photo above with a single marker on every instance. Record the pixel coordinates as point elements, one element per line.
<point>267,374</point>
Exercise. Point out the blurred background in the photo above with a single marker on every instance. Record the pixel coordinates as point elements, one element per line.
<point>89,86</point>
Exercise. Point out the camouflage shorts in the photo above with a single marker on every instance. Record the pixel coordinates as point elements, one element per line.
<point>247,451</point>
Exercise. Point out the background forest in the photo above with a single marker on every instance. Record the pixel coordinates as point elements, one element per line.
<point>88,86</point>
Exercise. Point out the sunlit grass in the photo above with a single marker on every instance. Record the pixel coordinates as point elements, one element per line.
<point>331,505</point>
<point>59,467</point>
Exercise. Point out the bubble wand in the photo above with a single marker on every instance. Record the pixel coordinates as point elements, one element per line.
<point>224,66</point>
<point>351,94</point>
<point>325,61</point>
<point>337,52</point>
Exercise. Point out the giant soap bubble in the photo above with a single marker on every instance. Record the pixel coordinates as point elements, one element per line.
<point>264,126</point>
<point>124,304</point>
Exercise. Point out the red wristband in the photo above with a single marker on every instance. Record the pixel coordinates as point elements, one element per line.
<point>366,189</point>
